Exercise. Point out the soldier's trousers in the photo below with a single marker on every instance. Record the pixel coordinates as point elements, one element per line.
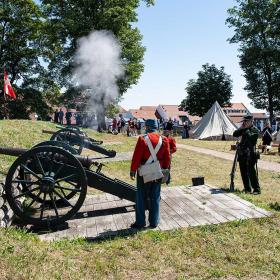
<point>249,175</point>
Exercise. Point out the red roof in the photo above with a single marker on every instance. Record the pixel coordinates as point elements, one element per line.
<point>173,111</point>
<point>148,108</point>
<point>143,114</point>
<point>236,106</point>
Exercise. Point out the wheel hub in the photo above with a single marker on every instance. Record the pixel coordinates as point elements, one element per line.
<point>47,184</point>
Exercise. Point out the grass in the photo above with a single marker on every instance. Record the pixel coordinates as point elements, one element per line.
<point>224,146</point>
<point>237,250</point>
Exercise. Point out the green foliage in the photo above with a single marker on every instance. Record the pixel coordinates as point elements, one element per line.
<point>112,110</point>
<point>114,15</point>
<point>256,25</point>
<point>212,85</point>
<point>22,50</point>
<point>38,42</point>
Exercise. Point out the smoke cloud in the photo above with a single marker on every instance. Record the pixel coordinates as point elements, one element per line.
<point>98,67</point>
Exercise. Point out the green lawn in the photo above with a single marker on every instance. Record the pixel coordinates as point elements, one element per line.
<point>224,146</point>
<point>237,250</point>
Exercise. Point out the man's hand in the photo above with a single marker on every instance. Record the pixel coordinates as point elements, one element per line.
<point>132,175</point>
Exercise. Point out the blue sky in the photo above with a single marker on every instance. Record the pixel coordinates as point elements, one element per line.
<point>181,36</point>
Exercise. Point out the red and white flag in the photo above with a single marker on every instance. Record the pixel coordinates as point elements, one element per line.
<point>7,86</point>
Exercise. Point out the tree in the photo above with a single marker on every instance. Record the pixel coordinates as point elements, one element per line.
<point>21,53</point>
<point>212,85</point>
<point>257,29</point>
<point>72,19</point>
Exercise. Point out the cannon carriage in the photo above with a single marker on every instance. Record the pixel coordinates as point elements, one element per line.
<point>47,185</point>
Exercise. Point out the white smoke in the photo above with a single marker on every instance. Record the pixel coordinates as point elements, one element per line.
<point>98,67</point>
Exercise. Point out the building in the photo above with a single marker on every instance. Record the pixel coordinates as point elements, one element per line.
<point>144,112</point>
<point>236,112</point>
<point>163,112</point>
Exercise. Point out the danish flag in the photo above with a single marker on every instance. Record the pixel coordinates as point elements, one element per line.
<point>7,86</point>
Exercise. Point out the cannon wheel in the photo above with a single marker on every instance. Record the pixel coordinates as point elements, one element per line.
<point>66,135</point>
<point>52,173</point>
<point>62,145</point>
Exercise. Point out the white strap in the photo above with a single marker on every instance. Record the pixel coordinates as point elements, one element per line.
<point>153,156</point>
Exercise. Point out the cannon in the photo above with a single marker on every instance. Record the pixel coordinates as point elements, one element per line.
<point>47,185</point>
<point>79,140</point>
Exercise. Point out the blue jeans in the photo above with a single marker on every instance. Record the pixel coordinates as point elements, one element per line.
<point>147,197</point>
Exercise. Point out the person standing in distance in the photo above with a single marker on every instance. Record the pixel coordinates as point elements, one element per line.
<point>149,191</point>
<point>247,155</point>
<point>60,116</point>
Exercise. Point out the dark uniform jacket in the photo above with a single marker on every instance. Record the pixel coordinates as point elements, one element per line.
<point>249,138</point>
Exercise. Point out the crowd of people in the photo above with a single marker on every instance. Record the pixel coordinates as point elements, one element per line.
<point>59,117</point>
<point>134,127</point>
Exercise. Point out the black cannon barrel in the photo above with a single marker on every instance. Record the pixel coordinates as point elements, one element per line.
<point>48,131</point>
<point>91,146</point>
<point>16,152</point>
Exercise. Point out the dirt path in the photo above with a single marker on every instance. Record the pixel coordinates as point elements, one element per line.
<point>262,164</point>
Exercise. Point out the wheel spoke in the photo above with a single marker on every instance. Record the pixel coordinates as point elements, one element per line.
<point>30,171</point>
<point>34,199</point>
<point>25,182</point>
<point>59,170</point>
<point>39,164</point>
<point>43,206</point>
<point>27,192</point>
<point>54,205</point>
<point>63,198</point>
<point>72,184</point>
<point>51,157</point>
<point>66,178</point>
<point>67,189</point>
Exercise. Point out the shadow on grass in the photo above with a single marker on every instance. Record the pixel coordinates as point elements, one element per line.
<point>275,206</point>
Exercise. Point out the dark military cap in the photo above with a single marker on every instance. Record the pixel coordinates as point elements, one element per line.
<point>248,118</point>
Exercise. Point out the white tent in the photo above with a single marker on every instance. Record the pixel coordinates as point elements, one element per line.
<point>215,125</point>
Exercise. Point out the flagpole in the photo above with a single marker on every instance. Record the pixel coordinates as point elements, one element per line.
<point>5,107</point>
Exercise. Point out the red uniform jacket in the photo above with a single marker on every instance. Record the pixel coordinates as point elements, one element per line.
<point>142,153</point>
<point>172,144</point>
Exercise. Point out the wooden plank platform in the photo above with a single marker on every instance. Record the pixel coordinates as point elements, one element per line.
<point>105,215</point>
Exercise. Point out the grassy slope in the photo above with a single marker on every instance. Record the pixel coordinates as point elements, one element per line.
<point>237,250</point>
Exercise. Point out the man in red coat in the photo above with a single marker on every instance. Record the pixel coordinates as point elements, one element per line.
<point>173,149</point>
<point>149,191</point>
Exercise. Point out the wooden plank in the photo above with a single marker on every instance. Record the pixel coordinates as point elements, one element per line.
<point>169,220</point>
<point>189,209</point>
<point>198,211</point>
<point>225,209</point>
<point>233,206</point>
<point>118,218</point>
<point>201,212</point>
<point>245,202</point>
<point>176,212</point>
<point>91,227</point>
<point>187,203</point>
<point>193,197</point>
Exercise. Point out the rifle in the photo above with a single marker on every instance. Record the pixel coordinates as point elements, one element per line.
<point>233,170</point>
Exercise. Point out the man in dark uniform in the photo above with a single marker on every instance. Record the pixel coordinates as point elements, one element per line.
<point>68,117</point>
<point>247,154</point>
